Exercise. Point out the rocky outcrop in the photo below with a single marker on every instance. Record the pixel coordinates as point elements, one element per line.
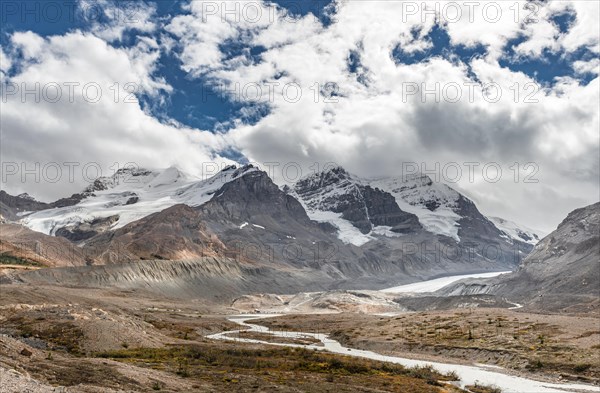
<point>88,229</point>
<point>252,196</point>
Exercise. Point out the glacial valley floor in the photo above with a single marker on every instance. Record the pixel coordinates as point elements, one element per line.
<point>86,340</point>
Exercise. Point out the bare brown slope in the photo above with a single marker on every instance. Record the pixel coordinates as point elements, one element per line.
<point>20,245</point>
<point>176,233</point>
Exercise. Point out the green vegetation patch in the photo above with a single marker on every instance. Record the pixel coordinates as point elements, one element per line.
<point>9,259</point>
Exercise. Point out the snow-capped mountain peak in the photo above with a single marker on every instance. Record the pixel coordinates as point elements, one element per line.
<point>329,191</point>
<point>26,196</point>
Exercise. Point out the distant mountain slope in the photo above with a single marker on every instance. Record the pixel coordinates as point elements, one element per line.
<point>258,237</point>
<point>333,230</point>
<point>444,211</point>
<point>562,271</point>
<point>11,206</point>
<point>516,231</point>
<point>254,216</point>
<point>360,210</point>
<point>435,204</point>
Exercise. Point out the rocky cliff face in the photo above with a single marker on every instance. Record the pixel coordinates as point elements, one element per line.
<point>252,194</point>
<point>365,207</point>
<point>11,206</point>
<point>563,270</point>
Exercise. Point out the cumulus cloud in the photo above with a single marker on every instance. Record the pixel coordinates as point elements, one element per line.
<point>74,101</point>
<point>111,19</point>
<point>584,67</point>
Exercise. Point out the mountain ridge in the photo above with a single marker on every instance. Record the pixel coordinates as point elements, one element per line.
<point>133,193</point>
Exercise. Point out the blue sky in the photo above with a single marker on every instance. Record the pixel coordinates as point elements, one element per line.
<point>351,62</point>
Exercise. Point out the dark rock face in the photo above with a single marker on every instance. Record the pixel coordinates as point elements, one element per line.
<point>473,224</point>
<point>69,201</point>
<point>97,185</point>
<point>11,205</point>
<point>132,200</point>
<point>382,209</point>
<point>252,195</point>
<point>526,237</point>
<point>87,230</point>
<point>432,205</point>
<point>476,230</point>
<point>364,206</point>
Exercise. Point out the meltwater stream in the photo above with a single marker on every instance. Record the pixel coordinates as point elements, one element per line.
<point>468,374</point>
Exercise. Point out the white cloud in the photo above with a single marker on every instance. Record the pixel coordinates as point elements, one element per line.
<point>112,130</point>
<point>29,43</point>
<point>494,23</point>
<point>110,19</point>
<point>5,62</point>
<point>584,32</point>
<point>209,24</point>
<point>591,66</point>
